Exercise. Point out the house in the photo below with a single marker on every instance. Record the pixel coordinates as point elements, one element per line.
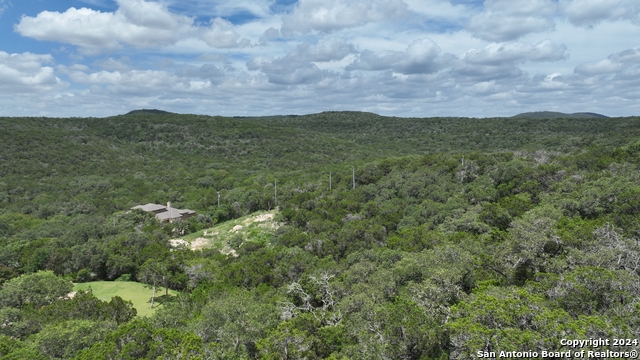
<point>166,213</point>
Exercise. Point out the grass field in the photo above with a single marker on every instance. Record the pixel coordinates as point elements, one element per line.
<point>132,291</point>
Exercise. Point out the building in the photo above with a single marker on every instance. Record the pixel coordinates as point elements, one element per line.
<point>166,213</point>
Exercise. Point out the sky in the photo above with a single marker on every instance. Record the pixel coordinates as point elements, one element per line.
<point>406,58</point>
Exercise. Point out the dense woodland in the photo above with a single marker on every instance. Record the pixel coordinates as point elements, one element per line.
<point>461,235</point>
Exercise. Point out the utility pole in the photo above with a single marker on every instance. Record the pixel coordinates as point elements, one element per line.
<point>353,177</point>
<point>166,290</point>
<point>218,199</point>
<point>329,180</point>
<point>463,161</point>
<point>275,192</point>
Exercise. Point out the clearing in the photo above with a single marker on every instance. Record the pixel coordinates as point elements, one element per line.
<point>139,294</point>
<point>228,236</point>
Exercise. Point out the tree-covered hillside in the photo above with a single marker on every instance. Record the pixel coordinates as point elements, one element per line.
<point>461,235</point>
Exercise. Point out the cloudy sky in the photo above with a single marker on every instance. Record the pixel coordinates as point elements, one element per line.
<point>261,57</point>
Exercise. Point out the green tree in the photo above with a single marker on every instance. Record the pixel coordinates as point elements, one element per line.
<point>153,273</point>
<point>63,340</point>
<point>235,320</point>
<point>38,289</point>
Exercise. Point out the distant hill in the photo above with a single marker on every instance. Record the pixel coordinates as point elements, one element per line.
<point>559,115</point>
<point>149,112</point>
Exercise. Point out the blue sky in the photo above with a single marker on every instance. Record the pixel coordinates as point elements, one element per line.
<point>260,57</point>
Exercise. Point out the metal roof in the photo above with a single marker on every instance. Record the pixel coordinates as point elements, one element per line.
<point>165,213</point>
<point>169,215</point>
<point>150,207</point>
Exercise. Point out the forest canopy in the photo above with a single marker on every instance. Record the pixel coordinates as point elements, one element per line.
<point>395,238</point>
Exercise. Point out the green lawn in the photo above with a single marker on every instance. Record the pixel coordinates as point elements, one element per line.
<point>132,291</point>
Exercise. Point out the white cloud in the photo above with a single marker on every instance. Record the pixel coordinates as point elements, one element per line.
<point>298,66</point>
<point>122,64</point>
<point>212,57</point>
<point>3,6</point>
<point>625,61</point>
<point>221,35</point>
<point>598,68</point>
<point>469,74</point>
<point>222,8</point>
<point>323,51</point>
<point>281,71</point>
<point>513,56</point>
<point>439,9</point>
<point>630,56</point>
<point>136,23</point>
<point>26,72</point>
<point>420,57</point>
<point>139,79</point>
<point>207,71</point>
<point>325,16</point>
<point>518,52</point>
<point>504,20</point>
<point>591,12</point>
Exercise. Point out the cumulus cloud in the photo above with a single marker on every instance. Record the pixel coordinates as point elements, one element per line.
<point>330,15</point>
<point>221,35</point>
<point>146,78</point>
<point>630,56</point>
<point>26,73</point>
<point>421,57</point>
<point>504,20</point>
<point>146,81</point>
<point>298,66</point>
<point>207,71</point>
<point>280,71</point>
<point>598,68</point>
<point>311,67</point>
<point>225,9</point>
<point>323,51</point>
<point>627,60</point>
<point>518,52</point>
<point>122,64</point>
<point>591,12</point>
<point>136,23</point>
<point>469,74</point>
<point>499,62</point>
<point>124,85</point>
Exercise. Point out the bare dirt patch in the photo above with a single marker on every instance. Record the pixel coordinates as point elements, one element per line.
<point>199,243</point>
<point>255,227</point>
<point>229,252</point>
<point>259,218</point>
<point>178,242</point>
